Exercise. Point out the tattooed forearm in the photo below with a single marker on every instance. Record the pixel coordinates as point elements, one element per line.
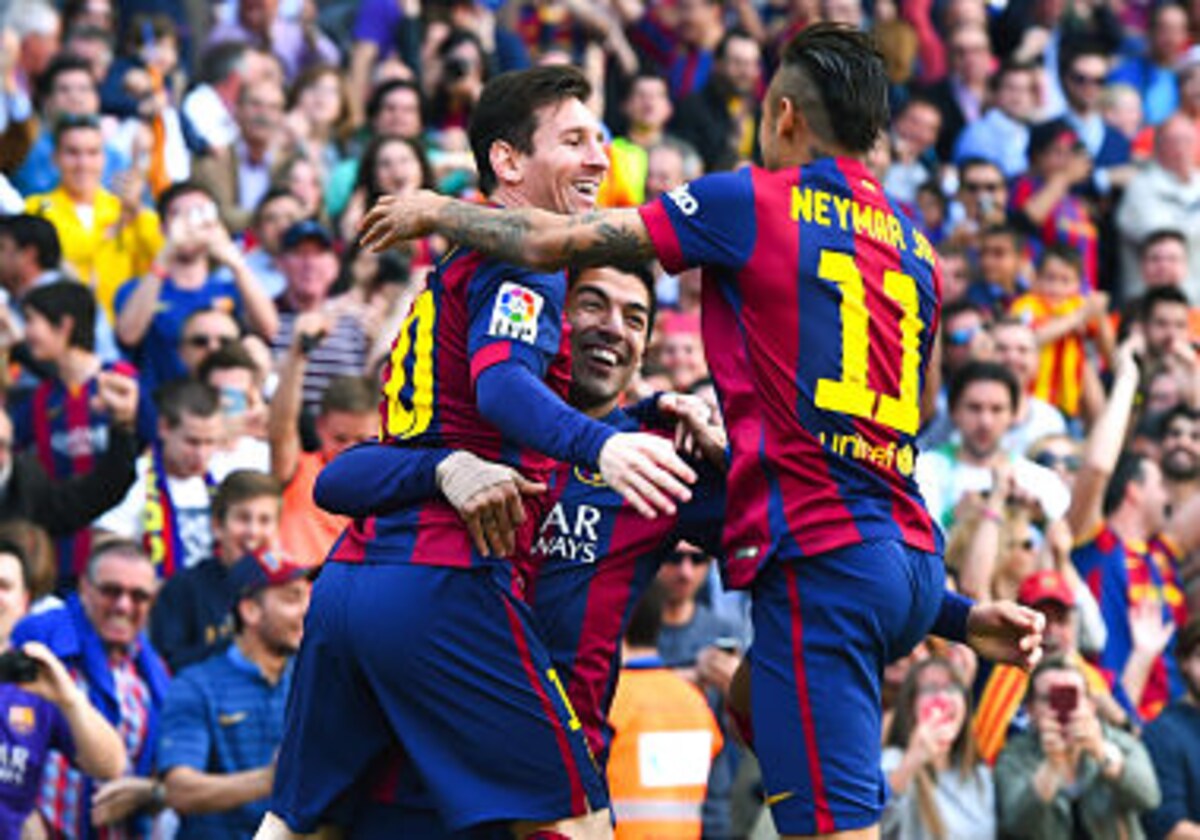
<point>547,240</point>
<point>606,238</point>
<point>503,235</point>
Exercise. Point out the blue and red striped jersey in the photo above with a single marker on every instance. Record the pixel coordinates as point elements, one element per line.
<point>61,426</point>
<point>591,560</point>
<point>820,305</point>
<point>594,556</point>
<point>476,314</point>
<point>1120,575</point>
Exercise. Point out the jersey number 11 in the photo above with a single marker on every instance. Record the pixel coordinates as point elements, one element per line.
<point>851,394</point>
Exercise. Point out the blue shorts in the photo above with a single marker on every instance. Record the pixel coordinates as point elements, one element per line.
<point>824,628</point>
<point>444,662</point>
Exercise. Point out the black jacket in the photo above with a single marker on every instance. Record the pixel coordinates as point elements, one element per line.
<point>193,615</point>
<point>72,504</point>
<point>703,120</point>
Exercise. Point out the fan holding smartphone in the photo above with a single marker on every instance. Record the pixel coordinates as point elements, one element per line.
<point>1072,774</point>
<point>940,787</point>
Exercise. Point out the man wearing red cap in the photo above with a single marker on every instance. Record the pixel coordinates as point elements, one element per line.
<point>998,710</point>
<point>223,718</point>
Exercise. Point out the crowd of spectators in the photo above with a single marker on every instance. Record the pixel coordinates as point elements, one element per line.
<point>190,333</point>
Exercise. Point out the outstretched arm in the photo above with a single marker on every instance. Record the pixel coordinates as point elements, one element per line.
<point>526,236</point>
<point>1104,444</point>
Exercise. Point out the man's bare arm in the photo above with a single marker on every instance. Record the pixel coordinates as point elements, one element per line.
<point>525,236</point>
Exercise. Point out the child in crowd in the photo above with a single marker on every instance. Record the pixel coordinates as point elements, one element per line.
<point>1065,321</point>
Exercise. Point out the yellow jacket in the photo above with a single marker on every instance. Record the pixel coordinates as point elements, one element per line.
<point>108,253</point>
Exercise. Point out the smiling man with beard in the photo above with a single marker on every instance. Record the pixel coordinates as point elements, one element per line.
<point>1180,460</point>
<point>449,662</point>
<point>593,555</point>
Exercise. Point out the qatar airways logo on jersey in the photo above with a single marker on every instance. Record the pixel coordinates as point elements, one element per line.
<point>569,535</point>
<point>14,760</point>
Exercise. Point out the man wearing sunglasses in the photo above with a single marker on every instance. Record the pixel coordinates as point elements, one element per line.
<point>99,635</point>
<point>206,331</point>
<point>1083,74</point>
<point>983,197</point>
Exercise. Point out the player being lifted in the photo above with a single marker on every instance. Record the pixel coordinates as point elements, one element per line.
<point>414,636</point>
<point>820,307</point>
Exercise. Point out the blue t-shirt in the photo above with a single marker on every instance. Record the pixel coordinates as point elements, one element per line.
<point>157,357</point>
<point>39,173</point>
<point>30,728</point>
<point>222,716</point>
<point>376,22</point>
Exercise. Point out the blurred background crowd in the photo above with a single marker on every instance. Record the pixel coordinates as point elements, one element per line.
<point>190,333</point>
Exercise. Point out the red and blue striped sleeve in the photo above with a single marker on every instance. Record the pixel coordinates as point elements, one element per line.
<point>710,221</point>
<point>514,314</point>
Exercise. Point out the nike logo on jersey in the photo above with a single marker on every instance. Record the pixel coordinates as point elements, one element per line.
<point>231,719</point>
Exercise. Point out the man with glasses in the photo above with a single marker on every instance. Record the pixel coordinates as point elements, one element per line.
<point>199,267</point>
<point>240,174</point>
<point>204,332</point>
<point>99,635</point>
<point>982,198</point>
<point>1083,76</point>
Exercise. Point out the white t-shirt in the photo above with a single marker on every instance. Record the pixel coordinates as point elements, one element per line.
<point>1043,419</point>
<point>193,513</point>
<point>249,453</point>
<point>943,481</point>
<point>210,118</point>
